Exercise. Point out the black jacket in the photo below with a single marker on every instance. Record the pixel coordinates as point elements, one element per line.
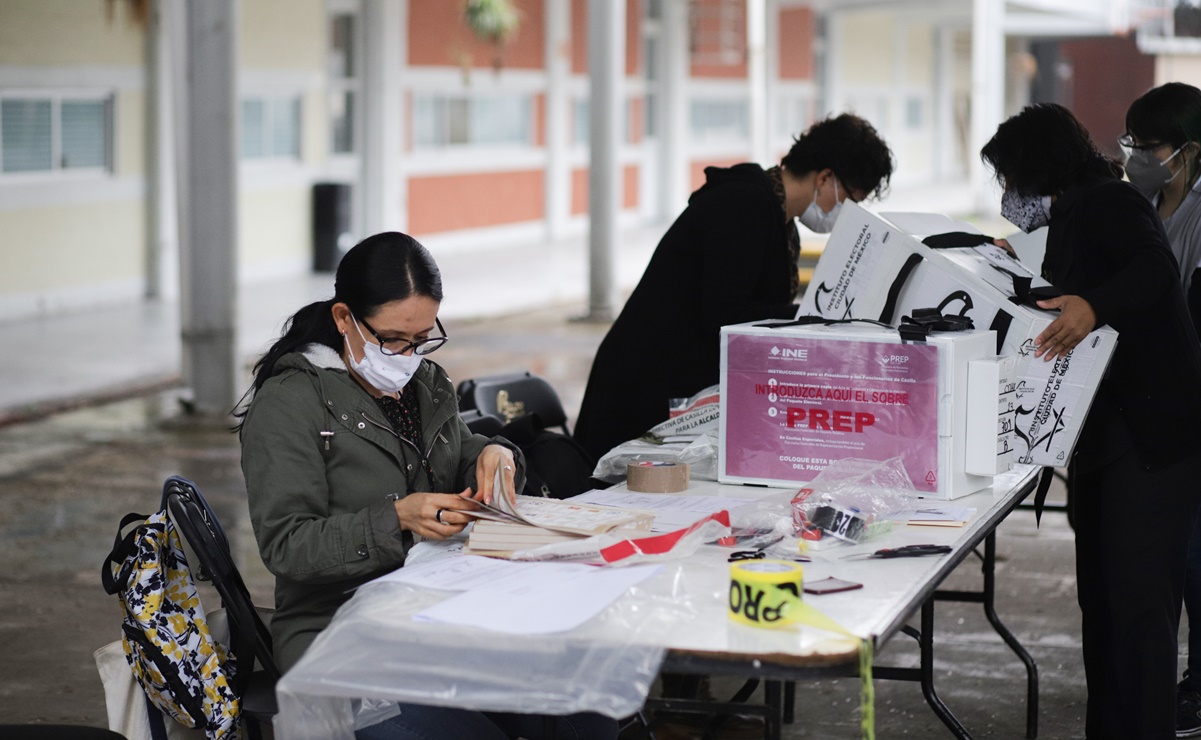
<point>724,261</point>
<point>1107,245</point>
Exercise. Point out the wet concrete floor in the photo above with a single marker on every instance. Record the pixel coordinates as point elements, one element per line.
<point>66,481</point>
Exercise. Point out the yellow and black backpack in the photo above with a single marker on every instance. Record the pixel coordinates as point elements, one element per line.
<point>183,670</point>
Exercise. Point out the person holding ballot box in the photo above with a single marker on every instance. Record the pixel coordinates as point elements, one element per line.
<point>1138,458</point>
<point>353,448</point>
<point>730,257</point>
<point>1163,159</point>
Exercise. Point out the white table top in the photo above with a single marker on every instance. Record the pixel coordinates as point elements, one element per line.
<point>373,648</point>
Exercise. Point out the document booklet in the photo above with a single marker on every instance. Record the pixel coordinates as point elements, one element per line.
<point>556,515</point>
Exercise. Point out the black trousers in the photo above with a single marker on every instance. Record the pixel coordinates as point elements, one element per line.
<point>1132,533</point>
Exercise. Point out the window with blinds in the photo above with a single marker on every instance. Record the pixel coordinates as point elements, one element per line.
<point>271,128</point>
<point>55,133</point>
<point>480,120</point>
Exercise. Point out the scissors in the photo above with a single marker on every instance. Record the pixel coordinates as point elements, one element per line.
<point>909,551</point>
<point>762,553</point>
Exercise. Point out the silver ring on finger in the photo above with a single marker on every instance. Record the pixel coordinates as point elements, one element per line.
<point>438,516</point>
<point>507,468</point>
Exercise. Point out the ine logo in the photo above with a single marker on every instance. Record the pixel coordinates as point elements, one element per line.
<point>795,354</point>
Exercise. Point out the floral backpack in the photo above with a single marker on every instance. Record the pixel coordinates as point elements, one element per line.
<point>183,670</point>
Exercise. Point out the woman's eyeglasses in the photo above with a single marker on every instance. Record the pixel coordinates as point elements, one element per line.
<point>1127,141</point>
<point>401,346</point>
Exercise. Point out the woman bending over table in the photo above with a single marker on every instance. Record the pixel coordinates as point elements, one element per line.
<point>1138,458</point>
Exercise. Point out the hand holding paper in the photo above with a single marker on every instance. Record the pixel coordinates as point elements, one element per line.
<point>495,463</point>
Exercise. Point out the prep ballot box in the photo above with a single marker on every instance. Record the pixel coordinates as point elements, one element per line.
<point>797,398</point>
<point>879,269</point>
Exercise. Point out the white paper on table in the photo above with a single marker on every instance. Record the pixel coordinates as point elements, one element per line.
<point>468,572</point>
<point>539,600</point>
<point>934,514</point>
<point>671,512</point>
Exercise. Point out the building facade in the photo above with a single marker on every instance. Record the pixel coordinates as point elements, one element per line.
<point>362,115</point>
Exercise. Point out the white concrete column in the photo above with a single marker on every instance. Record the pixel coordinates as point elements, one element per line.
<point>988,93</point>
<point>558,117</point>
<point>832,98</point>
<point>606,108</point>
<point>673,92</point>
<point>208,191</point>
<point>943,114</point>
<point>385,52</point>
<point>756,65</point>
<point>772,83</point>
<point>162,268</point>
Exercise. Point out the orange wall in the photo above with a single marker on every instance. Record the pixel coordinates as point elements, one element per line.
<point>449,202</point>
<point>698,169</point>
<point>438,35</point>
<point>796,43</point>
<point>579,189</point>
<point>579,36</point>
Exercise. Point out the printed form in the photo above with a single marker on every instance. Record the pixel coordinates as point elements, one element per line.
<point>519,598</point>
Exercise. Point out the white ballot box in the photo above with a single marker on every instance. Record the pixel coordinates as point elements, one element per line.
<point>875,268</point>
<point>796,398</point>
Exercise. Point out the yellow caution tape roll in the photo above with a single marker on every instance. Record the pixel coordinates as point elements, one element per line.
<point>765,593</point>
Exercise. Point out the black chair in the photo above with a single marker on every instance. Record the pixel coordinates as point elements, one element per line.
<point>57,732</point>
<point>480,423</point>
<point>250,640</point>
<point>514,395</point>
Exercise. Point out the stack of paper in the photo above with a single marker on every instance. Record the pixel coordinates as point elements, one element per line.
<point>514,522</point>
<point>494,536</point>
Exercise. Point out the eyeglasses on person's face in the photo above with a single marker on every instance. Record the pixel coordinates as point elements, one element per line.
<point>1129,141</point>
<point>402,346</point>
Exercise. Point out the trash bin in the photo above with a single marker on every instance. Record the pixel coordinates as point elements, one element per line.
<point>331,225</point>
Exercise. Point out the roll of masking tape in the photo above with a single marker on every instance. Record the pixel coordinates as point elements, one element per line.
<point>765,593</point>
<point>657,477</point>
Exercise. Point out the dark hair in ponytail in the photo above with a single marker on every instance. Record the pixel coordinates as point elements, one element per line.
<point>380,269</point>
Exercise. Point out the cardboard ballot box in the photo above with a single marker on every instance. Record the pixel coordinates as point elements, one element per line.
<point>879,269</point>
<point>796,398</point>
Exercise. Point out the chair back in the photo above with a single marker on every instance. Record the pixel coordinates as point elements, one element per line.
<point>480,423</point>
<point>514,395</point>
<point>250,640</point>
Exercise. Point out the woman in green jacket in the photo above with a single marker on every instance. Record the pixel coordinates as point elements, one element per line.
<point>353,448</point>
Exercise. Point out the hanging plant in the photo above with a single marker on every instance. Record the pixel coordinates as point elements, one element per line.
<point>494,22</point>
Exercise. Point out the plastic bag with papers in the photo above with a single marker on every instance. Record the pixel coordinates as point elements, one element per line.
<point>688,436</point>
<point>851,499</point>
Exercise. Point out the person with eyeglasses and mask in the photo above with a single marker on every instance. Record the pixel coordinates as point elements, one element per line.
<point>1163,145</point>
<point>1138,458</point>
<point>1163,160</point>
<point>730,257</point>
<point>353,449</point>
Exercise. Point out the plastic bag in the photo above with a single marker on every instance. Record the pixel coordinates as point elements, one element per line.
<point>700,454</point>
<point>851,499</point>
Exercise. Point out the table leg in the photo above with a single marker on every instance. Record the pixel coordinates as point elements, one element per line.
<point>987,597</point>
<point>773,692</point>
<point>789,702</point>
<point>990,557</point>
<point>926,644</point>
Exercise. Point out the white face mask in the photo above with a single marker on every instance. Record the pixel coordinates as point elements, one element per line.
<point>819,221</point>
<point>386,373</point>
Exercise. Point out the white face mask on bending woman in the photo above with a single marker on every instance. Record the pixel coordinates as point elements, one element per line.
<point>386,373</point>
<point>819,221</point>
